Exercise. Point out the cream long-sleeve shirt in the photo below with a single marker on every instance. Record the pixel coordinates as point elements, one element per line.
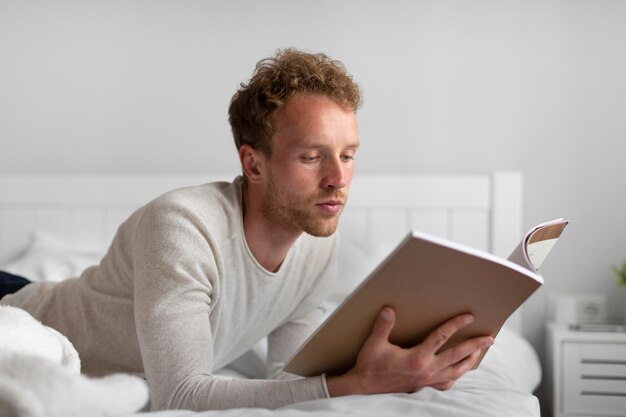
<point>179,295</point>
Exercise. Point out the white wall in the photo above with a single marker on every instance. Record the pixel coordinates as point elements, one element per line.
<point>460,86</point>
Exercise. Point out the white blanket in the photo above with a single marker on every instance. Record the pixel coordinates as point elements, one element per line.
<point>502,386</point>
<point>40,375</point>
<point>39,378</point>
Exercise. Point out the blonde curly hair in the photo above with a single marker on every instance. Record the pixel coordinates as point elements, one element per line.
<point>254,106</point>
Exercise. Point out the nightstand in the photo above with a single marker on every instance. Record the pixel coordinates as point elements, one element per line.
<point>586,372</point>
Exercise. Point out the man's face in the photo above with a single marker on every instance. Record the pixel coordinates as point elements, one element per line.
<point>311,166</point>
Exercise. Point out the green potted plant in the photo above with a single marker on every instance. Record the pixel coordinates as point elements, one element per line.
<point>621,273</point>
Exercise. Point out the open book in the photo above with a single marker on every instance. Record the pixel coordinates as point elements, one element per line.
<point>428,280</point>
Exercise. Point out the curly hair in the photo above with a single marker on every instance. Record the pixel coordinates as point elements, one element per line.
<point>253,107</point>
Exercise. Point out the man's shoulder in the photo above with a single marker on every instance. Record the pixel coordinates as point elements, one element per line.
<point>213,206</point>
<point>204,197</point>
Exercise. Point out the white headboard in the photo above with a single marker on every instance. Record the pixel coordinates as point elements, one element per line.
<point>483,211</point>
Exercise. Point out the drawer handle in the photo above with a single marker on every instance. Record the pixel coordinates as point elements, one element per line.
<point>604,394</point>
<point>604,377</point>
<point>603,362</point>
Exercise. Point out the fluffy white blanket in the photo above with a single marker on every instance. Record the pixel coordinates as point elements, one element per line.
<point>40,375</point>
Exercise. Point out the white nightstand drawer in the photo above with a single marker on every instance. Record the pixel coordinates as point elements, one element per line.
<point>594,378</point>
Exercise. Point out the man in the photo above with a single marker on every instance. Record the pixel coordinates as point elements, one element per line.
<point>198,276</point>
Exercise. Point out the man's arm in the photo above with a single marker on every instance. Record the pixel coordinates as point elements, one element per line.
<point>383,367</point>
<point>285,340</point>
<point>172,305</point>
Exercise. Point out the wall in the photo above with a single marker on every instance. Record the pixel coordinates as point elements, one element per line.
<point>450,86</point>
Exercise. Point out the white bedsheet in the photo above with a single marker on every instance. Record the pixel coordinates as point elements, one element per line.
<point>501,386</point>
<point>427,403</point>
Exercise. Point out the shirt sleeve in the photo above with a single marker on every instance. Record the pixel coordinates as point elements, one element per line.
<point>173,296</point>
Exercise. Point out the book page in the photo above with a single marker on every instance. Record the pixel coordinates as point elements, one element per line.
<point>537,243</point>
<point>541,241</point>
<point>538,251</point>
<point>518,257</point>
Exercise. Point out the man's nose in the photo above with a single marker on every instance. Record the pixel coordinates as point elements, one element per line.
<point>335,178</point>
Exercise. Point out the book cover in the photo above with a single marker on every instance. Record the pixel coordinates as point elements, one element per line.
<point>428,280</point>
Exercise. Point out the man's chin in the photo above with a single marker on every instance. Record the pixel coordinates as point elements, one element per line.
<point>321,230</point>
<point>319,234</point>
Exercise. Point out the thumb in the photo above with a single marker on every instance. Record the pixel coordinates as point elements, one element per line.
<point>383,326</point>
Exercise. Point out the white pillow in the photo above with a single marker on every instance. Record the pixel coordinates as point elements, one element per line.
<point>355,263</point>
<point>50,258</point>
<point>511,362</point>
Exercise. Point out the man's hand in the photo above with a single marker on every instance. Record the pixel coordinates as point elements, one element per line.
<point>383,367</point>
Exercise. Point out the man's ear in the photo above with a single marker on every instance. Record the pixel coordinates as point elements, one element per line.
<point>252,163</point>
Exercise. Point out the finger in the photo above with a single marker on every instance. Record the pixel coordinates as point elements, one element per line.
<point>443,386</point>
<point>452,373</point>
<point>443,333</point>
<point>463,350</point>
<point>382,326</point>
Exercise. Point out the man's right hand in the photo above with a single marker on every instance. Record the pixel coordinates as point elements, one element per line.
<point>382,367</point>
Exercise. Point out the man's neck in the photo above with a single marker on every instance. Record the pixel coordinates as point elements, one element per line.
<point>268,242</point>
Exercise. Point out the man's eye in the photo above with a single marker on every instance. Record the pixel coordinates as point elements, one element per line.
<point>309,158</point>
<point>347,157</point>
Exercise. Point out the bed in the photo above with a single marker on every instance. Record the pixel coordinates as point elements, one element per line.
<point>53,226</point>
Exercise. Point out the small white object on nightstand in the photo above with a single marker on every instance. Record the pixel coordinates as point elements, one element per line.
<point>586,372</point>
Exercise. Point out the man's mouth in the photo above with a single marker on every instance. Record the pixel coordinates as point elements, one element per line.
<point>330,206</point>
